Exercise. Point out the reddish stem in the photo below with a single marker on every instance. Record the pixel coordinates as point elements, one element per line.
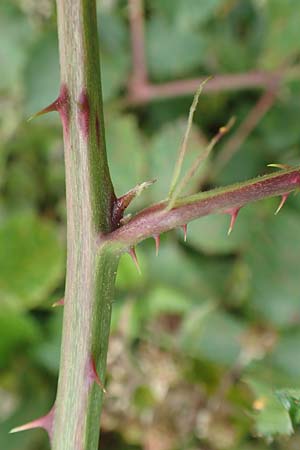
<point>157,219</point>
<point>227,82</point>
<point>139,65</point>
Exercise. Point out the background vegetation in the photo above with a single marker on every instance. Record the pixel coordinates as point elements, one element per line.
<point>206,341</point>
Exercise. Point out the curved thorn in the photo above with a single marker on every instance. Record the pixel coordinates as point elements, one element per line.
<point>184,227</point>
<point>50,108</point>
<point>61,105</point>
<point>157,243</point>
<point>233,215</point>
<point>279,166</point>
<point>283,200</point>
<point>45,422</point>
<point>93,375</point>
<point>134,259</point>
<point>60,302</point>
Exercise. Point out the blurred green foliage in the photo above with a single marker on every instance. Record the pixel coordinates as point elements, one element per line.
<point>205,344</point>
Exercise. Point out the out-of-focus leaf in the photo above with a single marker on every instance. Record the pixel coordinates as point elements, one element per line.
<point>22,187</point>
<point>165,8</point>
<point>42,74</point>
<point>115,71</point>
<point>128,276</point>
<point>236,45</point>
<point>209,233</point>
<point>285,355</point>
<point>273,259</point>
<point>290,399</point>
<point>143,397</point>
<point>279,129</point>
<point>17,331</point>
<point>201,279</point>
<point>230,51</point>
<point>272,417</point>
<point>247,162</point>
<point>164,299</point>
<point>212,335</point>
<point>190,14</point>
<point>126,152</point>
<point>282,33</point>
<point>31,261</point>
<point>34,402</point>
<point>173,52</point>
<point>15,35</point>
<point>34,171</point>
<point>163,154</point>
<point>115,58</point>
<point>186,13</point>
<point>47,351</point>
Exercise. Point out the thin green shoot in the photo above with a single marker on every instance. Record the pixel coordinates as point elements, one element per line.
<point>195,166</point>
<point>184,144</point>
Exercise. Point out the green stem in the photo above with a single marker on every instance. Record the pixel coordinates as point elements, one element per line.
<point>91,264</point>
<point>184,144</point>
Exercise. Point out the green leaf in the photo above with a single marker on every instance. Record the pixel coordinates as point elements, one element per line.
<point>245,164</point>
<point>32,402</point>
<point>31,261</point>
<point>200,278</point>
<point>115,71</point>
<point>163,153</point>
<point>279,129</point>
<point>285,356</point>
<point>127,275</point>
<point>165,299</point>
<point>47,351</point>
<point>272,417</point>
<point>235,46</point>
<point>231,53</point>
<point>210,233</point>
<point>42,79</point>
<point>144,398</point>
<point>17,331</point>
<point>186,13</point>
<point>115,57</point>
<point>22,185</point>
<point>282,33</point>
<point>165,8</point>
<point>273,259</point>
<point>190,13</point>
<point>15,35</point>
<point>172,52</point>
<point>126,152</point>
<point>212,335</point>
<point>290,399</point>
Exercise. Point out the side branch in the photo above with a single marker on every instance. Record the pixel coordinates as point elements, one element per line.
<point>227,82</point>
<point>157,219</point>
